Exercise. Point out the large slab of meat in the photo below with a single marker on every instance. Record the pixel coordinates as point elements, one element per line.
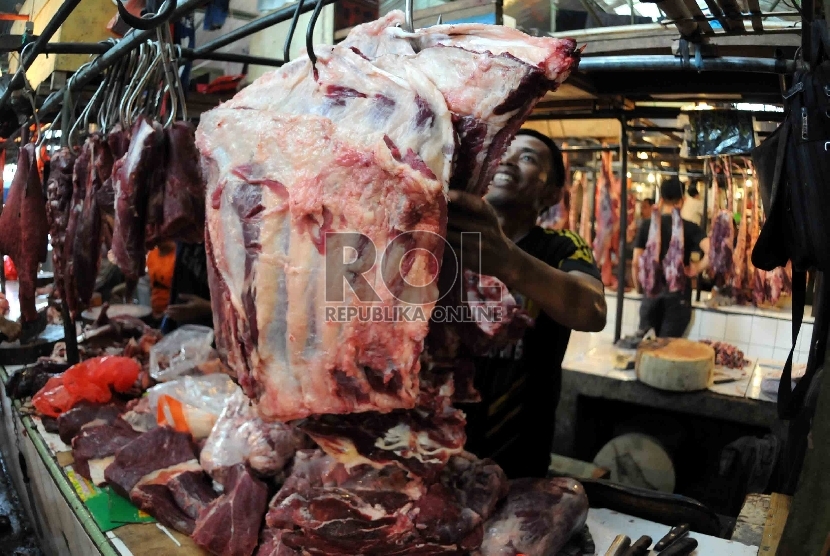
<point>722,236</point>
<point>537,517</point>
<point>58,199</point>
<point>607,213</point>
<point>650,271</point>
<point>326,508</point>
<point>24,228</point>
<point>674,270</point>
<point>368,143</point>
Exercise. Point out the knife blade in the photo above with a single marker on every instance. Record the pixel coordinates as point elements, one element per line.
<point>619,546</point>
<point>681,547</point>
<point>674,534</point>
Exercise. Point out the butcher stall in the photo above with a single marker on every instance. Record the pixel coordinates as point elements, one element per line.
<point>268,143</point>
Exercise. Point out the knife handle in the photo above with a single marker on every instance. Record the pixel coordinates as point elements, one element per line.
<point>673,535</point>
<point>682,547</point>
<point>619,546</point>
<point>639,548</point>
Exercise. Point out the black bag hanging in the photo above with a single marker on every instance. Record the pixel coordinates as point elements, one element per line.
<point>797,197</point>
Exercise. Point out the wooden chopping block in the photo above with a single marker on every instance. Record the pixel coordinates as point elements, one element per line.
<point>675,364</point>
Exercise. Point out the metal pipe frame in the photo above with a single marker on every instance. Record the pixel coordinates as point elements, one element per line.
<point>673,63</point>
<point>36,48</point>
<point>132,39</point>
<point>623,227</point>
<point>636,148</point>
<point>283,14</point>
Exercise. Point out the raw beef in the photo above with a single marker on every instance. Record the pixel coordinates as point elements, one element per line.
<point>538,517</point>
<point>99,442</point>
<point>157,449</point>
<point>650,270</point>
<point>577,196</point>
<point>133,177</point>
<point>419,440</point>
<point>175,495</point>
<point>58,199</point>
<point>326,508</point>
<point>497,75</point>
<point>585,224</point>
<point>24,228</point>
<point>240,436</point>
<point>85,250</point>
<point>118,141</point>
<point>184,189</point>
<point>740,255</point>
<point>608,220</point>
<point>71,422</point>
<point>727,355</point>
<point>364,144</point>
<point>25,382</point>
<point>674,271</point>
<point>230,525</point>
<point>721,239</point>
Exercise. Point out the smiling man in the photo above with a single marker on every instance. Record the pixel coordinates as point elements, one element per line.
<point>553,275</point>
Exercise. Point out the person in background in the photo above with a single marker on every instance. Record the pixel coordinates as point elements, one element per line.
<point>161,263</point>
<point>189,293</point>
<point>552,274</point>
<point>669,313</point>
<point>693,206</point>
<point>646,208</point>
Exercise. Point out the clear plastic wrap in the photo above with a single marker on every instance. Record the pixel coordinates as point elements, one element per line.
<point>718,133</point>
<point>180,352</point>
<point>191,403</point>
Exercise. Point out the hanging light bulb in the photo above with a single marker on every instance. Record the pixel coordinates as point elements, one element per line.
<point>749,183</point>
<point>651,177</point>
<point>628,175</point>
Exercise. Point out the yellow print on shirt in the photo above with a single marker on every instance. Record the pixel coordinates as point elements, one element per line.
<point>582,252</point>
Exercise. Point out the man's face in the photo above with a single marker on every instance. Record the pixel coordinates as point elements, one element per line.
<point>522,174</point>
<point>645,210</point>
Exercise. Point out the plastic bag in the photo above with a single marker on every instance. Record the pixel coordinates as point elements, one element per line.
<point>191,403</point>
<point>180,352</point>
<point>9,268</point>
<point>91,381</point>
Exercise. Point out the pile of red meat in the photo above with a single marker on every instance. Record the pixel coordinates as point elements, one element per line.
<point>727,355</point>
<point>138,187</point>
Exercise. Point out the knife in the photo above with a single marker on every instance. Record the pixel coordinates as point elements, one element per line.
<point>619,546</point>
<point>675,533</point>
<point>639,548</point>
<point>682,547</point>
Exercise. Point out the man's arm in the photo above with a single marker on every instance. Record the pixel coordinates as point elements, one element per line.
<point>573,299</point>
<point>698,267</point>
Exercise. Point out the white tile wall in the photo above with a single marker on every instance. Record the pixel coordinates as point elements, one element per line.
<point>763,331</point>
<point>763,337</point>
<point>738,328</point>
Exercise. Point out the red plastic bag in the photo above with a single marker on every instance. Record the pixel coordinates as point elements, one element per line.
<point>53,399</point>
<point>9,268</point>
<point>92,381</point>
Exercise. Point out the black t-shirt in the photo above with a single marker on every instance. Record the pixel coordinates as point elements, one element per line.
<point>692,236</point>
<point>520,385</point>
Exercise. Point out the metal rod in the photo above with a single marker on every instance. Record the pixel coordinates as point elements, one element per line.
<point>670,63</point>
<point>640,148</point>
<point>762,15</point>
<point>705,223</point>
<point>32,50</point>
<point>623,225</point>
<point>132,39</point>
<point>283,14</point>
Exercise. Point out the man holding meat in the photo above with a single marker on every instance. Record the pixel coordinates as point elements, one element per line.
<point>668,312</point>
<point>552,275</point>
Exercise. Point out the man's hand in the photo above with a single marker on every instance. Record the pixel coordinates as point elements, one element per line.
<point>488,247</point>
<point>190,308</point>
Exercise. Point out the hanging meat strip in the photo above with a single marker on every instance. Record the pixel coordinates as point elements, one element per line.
<point>133,175</point>
<point>739,256</point>
<point>58,202</point>
<point>607,219</point>
<point>86,249</point>
<point>673,269</point>
<point>577,195</point>
<point>585,228</point>
<point>119,142</point>
<point>649,272</point>
<point>721,239</point>
<point>184,188</point>
<point>24,228</point>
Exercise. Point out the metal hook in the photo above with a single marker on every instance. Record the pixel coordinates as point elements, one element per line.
<point>409,26</point>
<point>309,35</point>
<point>286,50</point>
<point>147,22</point>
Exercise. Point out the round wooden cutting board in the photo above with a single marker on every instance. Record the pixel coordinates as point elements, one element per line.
<point>675,364</point>
<point>638,460</point>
